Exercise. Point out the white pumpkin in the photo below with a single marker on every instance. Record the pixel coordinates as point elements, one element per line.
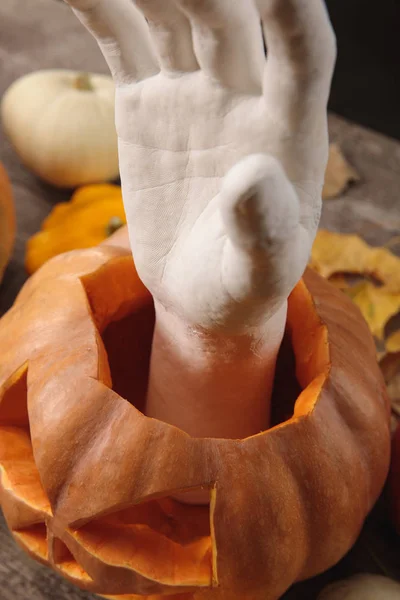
<point>362,587</point>
<point>61,124</point>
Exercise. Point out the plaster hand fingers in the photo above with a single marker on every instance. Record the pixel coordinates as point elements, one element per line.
<point>227,41</point>
<point>123,36</point>
<point>171,33</point>
<point>300,59</point>
<point>267,250</point>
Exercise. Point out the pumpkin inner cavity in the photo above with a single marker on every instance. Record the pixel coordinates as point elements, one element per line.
<point>125,320</point>
<point>128,347</point>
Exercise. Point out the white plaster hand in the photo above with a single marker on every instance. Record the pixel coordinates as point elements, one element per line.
<point>222,155</point>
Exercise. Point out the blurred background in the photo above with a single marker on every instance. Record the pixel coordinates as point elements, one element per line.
<point>366,85</point>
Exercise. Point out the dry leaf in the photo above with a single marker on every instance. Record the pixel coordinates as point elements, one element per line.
<point>339,174</point>
<point>334,255</point>
<point>341,253</point>
<point>377,305</point>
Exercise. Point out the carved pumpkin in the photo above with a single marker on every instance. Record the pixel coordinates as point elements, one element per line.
<point>87,479</point>
<point>7,220</point>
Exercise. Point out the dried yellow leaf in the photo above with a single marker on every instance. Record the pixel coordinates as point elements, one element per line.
<point>377,305</point>
<point>385,266</point>
<point>339,174</point>
<point>342,253</point>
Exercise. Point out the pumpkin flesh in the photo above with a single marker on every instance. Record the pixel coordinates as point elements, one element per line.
<point>85,465</point>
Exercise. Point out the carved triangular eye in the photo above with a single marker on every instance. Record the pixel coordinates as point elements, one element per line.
<point>14,400</point>
<point>127,343</point>
<point>23,500</point>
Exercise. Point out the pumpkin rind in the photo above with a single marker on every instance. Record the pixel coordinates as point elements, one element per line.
<point>7,220</point>
<point>285,504</point>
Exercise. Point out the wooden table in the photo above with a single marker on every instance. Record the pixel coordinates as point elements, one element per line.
<point>30,40</point>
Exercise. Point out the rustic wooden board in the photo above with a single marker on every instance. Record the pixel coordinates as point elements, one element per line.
<point>48,36</point>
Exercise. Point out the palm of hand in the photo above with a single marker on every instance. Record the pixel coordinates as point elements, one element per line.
<point>186,135</point>
<point>221,182</point>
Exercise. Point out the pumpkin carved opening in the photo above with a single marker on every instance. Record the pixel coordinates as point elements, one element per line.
<point>125,321</point>
<point>130,337</point>
<point>127,342</point>
<point>13,405</point>
<point>23,499</point>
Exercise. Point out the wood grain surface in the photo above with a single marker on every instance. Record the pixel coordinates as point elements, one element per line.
<point>49,36</point>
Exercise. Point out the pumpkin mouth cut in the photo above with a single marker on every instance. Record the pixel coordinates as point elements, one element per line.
<point>161,540</point>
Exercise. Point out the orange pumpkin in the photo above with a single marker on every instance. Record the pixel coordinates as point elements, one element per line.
<point>87,479</point>
<point>7,220</point>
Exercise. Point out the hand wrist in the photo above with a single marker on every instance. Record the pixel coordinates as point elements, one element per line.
<point>213,384</point>
<point>218,338</point>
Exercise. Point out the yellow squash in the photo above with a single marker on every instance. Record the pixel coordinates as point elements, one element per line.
<point>92,214</point>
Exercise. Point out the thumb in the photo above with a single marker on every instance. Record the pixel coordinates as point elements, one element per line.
<point>259,205</point>
<point>266,252</point>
